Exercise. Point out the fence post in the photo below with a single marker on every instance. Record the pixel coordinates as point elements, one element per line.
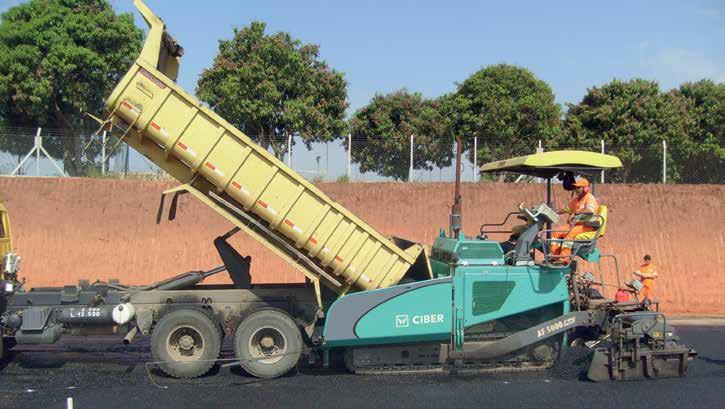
<point>38,144</point>
<point>126,161</point>
<point>475,158</point>
<point>410,171</point>
<point>349,157</point>
<point>103,154</point>
<point>327,160</point>
<point>664,161</point>
<point>289,150</point>
<point>540,148</point>
<point>602,154</point>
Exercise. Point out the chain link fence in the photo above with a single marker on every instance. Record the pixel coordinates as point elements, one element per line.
<point>80,153</point>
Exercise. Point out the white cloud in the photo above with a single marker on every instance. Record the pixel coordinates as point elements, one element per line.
<point>673,66</point>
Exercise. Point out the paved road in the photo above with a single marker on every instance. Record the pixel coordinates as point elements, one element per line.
<point>107,376</point>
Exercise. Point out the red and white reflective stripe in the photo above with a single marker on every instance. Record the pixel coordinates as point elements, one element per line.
<point>240,187</point>
<point>366,278</point>
<point>214,168</point>
<point>325,250</point>
<point>186,148</point>
<point>159,128</point>
<point>339,259</point>
<point>294,227</point>
<point>266,206</point>
<point>131,107</point>
<point>313,240</point>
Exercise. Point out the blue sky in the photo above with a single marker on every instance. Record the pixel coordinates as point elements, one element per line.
<point>428,46</point>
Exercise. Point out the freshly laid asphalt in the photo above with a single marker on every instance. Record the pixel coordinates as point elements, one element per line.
<point>106,375</point>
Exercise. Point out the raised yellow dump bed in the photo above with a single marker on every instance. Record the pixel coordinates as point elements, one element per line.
<point>246,184</point>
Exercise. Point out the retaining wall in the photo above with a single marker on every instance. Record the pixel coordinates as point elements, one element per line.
<point>72,228</point>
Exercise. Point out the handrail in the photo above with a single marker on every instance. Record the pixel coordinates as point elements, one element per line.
<point>497,224</point>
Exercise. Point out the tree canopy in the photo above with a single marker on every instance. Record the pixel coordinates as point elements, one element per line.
<point>507,108</point>
<point>272,86</point>
<point>706,145</point>
<point>633,118</point>
<point>382,129</point>
<point>59,59</point>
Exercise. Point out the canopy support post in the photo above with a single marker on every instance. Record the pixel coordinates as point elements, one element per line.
<point>548,203</point>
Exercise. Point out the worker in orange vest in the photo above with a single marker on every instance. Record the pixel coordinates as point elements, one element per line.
<point>647,273</point>
<point>582,204</point>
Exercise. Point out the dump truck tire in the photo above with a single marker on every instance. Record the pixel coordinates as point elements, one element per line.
<point>268,333</point>
<point>187,341</point>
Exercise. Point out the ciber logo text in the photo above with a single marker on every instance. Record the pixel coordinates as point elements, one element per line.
<point>403,321</point>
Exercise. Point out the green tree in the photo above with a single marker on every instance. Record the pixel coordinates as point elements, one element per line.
<point>632,117</point>
<point>273,86</point>
<point>58,60</point>
<point>381,135</point>
<point>704,160</point>
<point>507,108</point>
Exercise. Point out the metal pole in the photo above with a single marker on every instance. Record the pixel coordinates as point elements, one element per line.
<point>475,158</point>
<point>289,150</point>
<point>549,202</point>
<point>602,154</point>
<point>38,144</point>
<point>52,161</point>
<point>126,161</point>
<point>664,161</point>
<point>25,158</point>
<point>410,171</point>
<point>540,148</point>
<point>349,157</point>
<point>103,155</point>
<point>456,217</point>
<point>327,160</point>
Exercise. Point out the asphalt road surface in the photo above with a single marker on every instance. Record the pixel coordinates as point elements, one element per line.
<point>103,375</point>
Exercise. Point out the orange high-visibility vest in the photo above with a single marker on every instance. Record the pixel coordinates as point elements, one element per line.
<point>585,204</point>
<point>647,271</point>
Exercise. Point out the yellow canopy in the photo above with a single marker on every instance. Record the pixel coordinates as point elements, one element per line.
<point>548,164</point>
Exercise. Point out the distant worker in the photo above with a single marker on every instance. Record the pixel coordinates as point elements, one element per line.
<point>647,273</point>
<point>580,208</point>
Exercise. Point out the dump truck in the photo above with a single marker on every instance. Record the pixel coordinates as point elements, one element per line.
<point>371,303</point>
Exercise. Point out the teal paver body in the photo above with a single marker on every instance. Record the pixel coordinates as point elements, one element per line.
<point>472,286</point>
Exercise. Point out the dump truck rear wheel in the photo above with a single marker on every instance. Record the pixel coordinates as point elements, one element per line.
<point>187,341</point>
<point>268,344</point>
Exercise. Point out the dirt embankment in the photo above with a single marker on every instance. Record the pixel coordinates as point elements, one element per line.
<point>68,229</point>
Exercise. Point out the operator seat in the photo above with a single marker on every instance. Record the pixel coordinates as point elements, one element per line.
<point>600,223</point>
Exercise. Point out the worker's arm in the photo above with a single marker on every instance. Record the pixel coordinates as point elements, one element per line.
<point>645,274</point>
<point>564,210</point>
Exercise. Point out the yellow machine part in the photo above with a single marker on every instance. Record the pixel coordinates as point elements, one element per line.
<point>6,243</point>
<point>603,211</point>
<point>202,150</point>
